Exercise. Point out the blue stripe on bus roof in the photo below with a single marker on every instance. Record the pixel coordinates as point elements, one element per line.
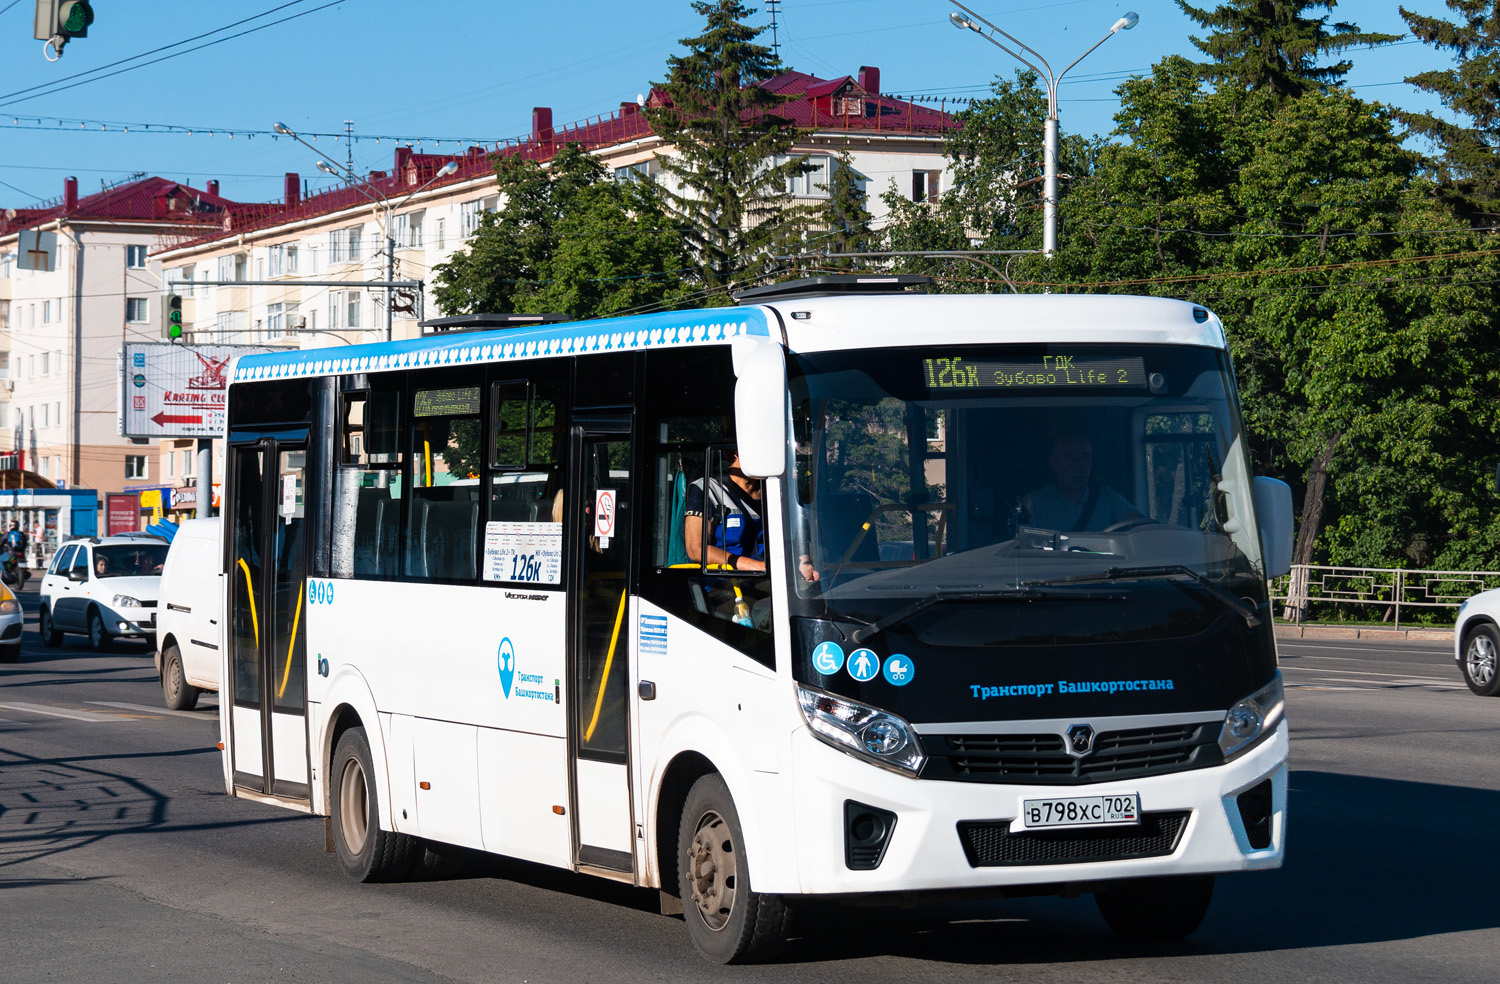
<point>664,330</point>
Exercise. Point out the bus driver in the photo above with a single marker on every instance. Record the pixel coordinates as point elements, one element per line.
<point>736,533</point>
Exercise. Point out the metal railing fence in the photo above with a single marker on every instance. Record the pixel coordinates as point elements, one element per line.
<point>1386,590</point>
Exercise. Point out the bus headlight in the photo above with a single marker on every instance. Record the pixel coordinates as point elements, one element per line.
<point>126,601</point>
<point>864,732</point>
<point>1250,721</point>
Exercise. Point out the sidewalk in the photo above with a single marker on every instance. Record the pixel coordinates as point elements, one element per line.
<point>1288,631</point>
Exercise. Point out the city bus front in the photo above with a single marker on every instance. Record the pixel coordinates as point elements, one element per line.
<point>1037,654</point>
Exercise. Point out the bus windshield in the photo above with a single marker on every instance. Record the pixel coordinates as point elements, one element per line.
<point>984,496</point>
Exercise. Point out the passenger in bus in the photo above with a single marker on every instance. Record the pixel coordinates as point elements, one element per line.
<point>736,532</point>
<point>1074,501</point>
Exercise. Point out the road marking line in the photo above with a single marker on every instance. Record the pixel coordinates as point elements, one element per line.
<point>1375,673</point>
<point>1394,684</point>
<point>60,712</point>
<point>194,715</point>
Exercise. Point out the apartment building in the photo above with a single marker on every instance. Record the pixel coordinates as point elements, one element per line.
<point>77,282</point>
<point>279,249</point>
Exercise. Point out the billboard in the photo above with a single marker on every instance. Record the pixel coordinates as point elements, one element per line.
<point>176,390</point>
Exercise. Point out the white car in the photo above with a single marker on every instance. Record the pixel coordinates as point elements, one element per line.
<point>1476,643</point>
<point>11,618</point>
<point>190,613</point>
<point>105,588</point>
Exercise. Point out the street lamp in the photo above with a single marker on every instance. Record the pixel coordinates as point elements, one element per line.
<point>381,201</point>
<point>1049,147</point>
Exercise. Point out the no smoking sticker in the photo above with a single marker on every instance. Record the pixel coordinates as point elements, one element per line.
<point>604,513</point>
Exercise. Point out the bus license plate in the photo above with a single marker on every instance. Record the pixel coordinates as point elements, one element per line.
<point>1081,811</point>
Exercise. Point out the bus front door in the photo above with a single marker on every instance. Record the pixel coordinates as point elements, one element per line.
<point>267,576</point>
<point>601,542</point>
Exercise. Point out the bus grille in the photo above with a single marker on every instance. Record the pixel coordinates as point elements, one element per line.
<point>1043,758</point>
<point>990,843</point>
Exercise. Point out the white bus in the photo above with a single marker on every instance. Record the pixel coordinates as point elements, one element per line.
<point>846,591</point>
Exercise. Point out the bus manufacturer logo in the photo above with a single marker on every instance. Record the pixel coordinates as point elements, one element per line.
<point>1080,739</point>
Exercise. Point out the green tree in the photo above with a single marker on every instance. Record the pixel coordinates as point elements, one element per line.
<point>1274,44</point>
<point>1468,168</point>
<point>731,162</point>
<point>844,217</point>
<point>994,198</point>
<point>568,239</point>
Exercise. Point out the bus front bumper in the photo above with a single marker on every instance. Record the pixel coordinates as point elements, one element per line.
<point>952,835</point>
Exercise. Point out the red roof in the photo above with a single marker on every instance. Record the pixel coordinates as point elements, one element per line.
<point>810,109</point>
<point>143,200</point>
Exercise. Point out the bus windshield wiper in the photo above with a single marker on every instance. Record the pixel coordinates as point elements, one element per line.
<point>1229,601</point>
<point>1024,593</point>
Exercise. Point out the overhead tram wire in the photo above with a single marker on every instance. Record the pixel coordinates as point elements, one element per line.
<point>7,100</point>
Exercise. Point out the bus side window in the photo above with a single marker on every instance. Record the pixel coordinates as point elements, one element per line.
<point>691,420</point>
<point>367,484</point>
<point>442,531</point>
<point>524,482</point>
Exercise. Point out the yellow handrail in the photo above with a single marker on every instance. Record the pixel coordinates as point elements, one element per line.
<point>608,662</point>
<point>286,674</point>
<point>254,620</point>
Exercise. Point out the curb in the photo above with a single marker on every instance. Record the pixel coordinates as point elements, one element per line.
<point>1338,632</point>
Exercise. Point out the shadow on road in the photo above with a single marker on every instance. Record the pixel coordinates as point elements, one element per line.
<point>49,806</point>
<point>1369,860</point>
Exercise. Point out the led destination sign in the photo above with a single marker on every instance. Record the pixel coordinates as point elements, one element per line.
<point>1042,372</point>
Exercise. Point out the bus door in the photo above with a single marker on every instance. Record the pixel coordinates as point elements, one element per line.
<point>267,577</point>
<point>600,540</point>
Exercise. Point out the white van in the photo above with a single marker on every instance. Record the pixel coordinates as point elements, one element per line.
<point>189,613</point>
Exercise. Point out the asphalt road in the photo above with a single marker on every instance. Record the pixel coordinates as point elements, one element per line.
<point>121,859</point>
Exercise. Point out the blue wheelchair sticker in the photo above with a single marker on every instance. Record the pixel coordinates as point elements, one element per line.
<point>828,658</point>
<point>899,670</point>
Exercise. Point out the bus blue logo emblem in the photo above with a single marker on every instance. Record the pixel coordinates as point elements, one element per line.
<point>828,658</point>
<point>507,664</point>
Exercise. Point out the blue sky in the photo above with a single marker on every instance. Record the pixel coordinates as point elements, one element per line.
<point>460,70</point>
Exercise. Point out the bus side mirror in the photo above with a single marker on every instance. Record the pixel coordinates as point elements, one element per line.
<point>1273,515</point>
<point>760,405</point>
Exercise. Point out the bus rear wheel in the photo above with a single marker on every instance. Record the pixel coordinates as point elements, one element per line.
<point>367,853</point>
<point>727,920</point>
<point>1156,910</point>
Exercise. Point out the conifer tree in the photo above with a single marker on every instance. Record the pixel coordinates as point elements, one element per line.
<point>1467,165</point>
<point>1274,45</point>
<point>726,184</point>
<point>844,212</point>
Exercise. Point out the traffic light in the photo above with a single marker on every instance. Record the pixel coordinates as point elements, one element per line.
<point>171,328</point>
<point>59,21</point>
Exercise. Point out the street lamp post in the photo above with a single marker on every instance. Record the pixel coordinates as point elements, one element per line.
<point>382,202</point>
<point>1049,145</point>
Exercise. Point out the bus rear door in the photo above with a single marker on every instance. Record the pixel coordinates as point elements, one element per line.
<point>600,715</point>
<point>268,656</point>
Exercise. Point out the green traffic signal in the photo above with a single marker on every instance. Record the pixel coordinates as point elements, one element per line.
<point>174,318</point>
<point>75,18</point>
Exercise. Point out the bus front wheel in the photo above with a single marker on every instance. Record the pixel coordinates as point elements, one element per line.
<point>1156,910</point>
<point>727,920</point>
<point>367,853</point>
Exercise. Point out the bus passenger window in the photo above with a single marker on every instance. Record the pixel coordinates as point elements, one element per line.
<point>443,527</point>
<point>524,484</point>
<point>367,485</point>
